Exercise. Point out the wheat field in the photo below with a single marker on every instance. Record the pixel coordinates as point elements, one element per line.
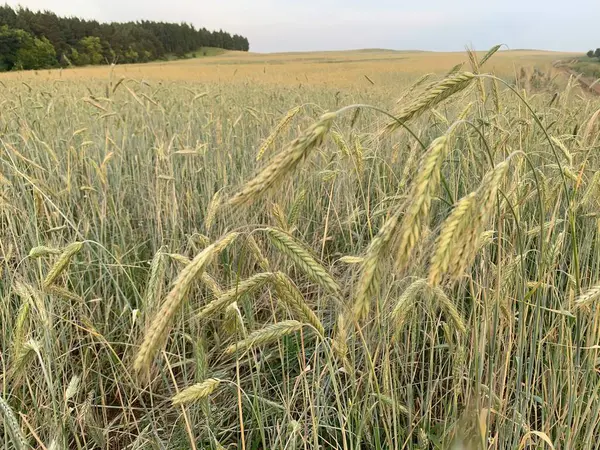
<point>367,250</point>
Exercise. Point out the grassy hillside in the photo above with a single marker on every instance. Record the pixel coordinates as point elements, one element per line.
<point>209,256</point>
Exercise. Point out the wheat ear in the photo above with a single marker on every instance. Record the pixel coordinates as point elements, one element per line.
<point>234,322</point>
<point>291,296</point>
<point>440,92</point>
<point>61,264</point>
<point>196,392</point>
<point>244,287</point>
<point>285,161</point>
<point>278,129</point>
<point>298,253</point>
<point>370,273</point>
<point>453,228</point>
<point>12,426</point>
<point>424,188</point>
<point>588,297</point>
<point>405,303</point>
<point>41,250</point>
<point>155,281</point>
<point>157,332</point>
<point>266,335</point>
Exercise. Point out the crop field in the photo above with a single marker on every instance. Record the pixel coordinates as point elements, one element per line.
<point>345,250</point>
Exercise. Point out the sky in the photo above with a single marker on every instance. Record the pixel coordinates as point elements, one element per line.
<point>309,25</point>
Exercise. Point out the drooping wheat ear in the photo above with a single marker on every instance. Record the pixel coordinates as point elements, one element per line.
<point>339,141</point>
<point>61,264</point>
<point>590,129</point>
<point>211,210</point>
<point>295,210</point>
<point>155,281</point>
<point>278,129</point>
<point>262,261</point>
<point>496,95</point>
<point>440,92</point>
<point>349,259</point>
<point>565,151</point>
<point>159,326</point>
<point>266,335</point>
<point>20,329</point>
<point>12,426</point>
<point>489,54</point>
<point>284,162</point>
<point>588,297</point>
<point>290,295</point>
<point>213,285</point>
<point>196,392</point>
<point>228,297</point>
<point>64,293</point>
<point>368,283</point>
<point>279,215</point>
<point>181,259</point>
<point>41,250</point>
<point>340,338</point>
<point>475,68</point>
<point>21,360</point>
<point>298,253</point>
<point>449,308</point>
<point>452,230</point>
<point>405,303</point>
<point>234,322</point>
<point>424,187</point>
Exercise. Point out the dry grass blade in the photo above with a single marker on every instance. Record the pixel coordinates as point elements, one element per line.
<point>12,426</point>
<point>157,332</point>
<point>291,296</point>
<point>285,161</point>
<point>298,253</point>
<point>266,335</point>
<point>424,188</point>
<point>231,295</point>
<point>63,261</point>
<point>196,392</point>
<point>443,90</point>
<point>278,129</point>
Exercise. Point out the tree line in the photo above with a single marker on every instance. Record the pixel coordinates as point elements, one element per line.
<point>41,39</point>
<point>594,53</point>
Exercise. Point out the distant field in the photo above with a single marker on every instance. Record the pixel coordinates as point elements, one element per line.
<point>336,69</point>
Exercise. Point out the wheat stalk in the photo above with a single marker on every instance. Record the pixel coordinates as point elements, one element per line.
<point>285,161</point>
<point>266,335</point>
<point>298,253</point>
<point>61,264</point>
<point>157,332</point>
<point>417,214</point>
<point>278,129</point>
<point>291,296</point>
<point>244,287</point>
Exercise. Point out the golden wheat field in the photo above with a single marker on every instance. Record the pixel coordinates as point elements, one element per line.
<point>345,250</point>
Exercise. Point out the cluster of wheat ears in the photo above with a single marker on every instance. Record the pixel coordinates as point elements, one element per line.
<point>423,278</point>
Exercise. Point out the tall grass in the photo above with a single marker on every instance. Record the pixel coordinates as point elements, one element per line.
<point>428,285</point>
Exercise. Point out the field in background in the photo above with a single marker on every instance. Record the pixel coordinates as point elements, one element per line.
<point>196,255</point>
<point>328,69</point>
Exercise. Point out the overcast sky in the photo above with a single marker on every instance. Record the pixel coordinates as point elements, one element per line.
<point>289,25</point>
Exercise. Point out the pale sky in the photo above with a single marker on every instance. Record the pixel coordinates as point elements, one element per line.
<point>287,25</point>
